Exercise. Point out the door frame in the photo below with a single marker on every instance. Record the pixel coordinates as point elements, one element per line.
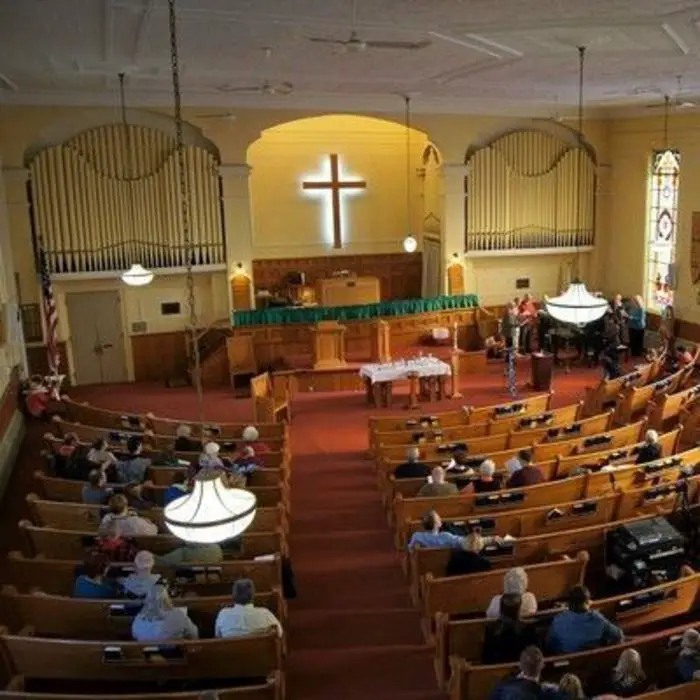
<point>432,239</point>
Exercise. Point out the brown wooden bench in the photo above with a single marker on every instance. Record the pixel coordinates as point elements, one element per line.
<point>631,611</point>
<point>667,409</point>
<point>57,576</point>
<point>271,400</point>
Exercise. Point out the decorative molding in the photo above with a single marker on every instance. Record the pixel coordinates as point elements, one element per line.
<point>15,174</point>
<point>115,275</point>
<point>524,252</point>
<point>240,171</point>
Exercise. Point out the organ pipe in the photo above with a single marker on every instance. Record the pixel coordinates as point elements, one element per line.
<point>522,193</point>
<point>80,200</point>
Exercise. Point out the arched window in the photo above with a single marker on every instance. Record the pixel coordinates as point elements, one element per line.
<point>664,179</point>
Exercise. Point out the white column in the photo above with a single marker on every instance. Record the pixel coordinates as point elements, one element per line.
<point>453,222</point>
<point>238,221</point>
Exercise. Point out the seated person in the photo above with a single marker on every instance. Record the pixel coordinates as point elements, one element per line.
<point>507,637</point>
<point>209,458</point>
<point>95,491</point>
<point>160,621</point>
<point>487,482</point>
<point>100,454</point>
<point>628,677</point>
<point>251,438</point>
<point>469,559</point>
<point>495,345</point>
<point>580,628</point>
<point>244,617</point>
<point>458,463</point>
<point>66,458</point>
<point>437,485</point>
<point>431,536</point>
<point>246,462</point>
<point>412,468</point>
<point>525,683</point>
<point>183,440</point>
<point>138,583</point>
<point>651,449</point>
<point>122,522</point>
<point>688,663</point>
<point>92,582</point>
<point>132,467</point>
<point>37,397</point>
<point>527,475</point>
<point>190,553</point>
<point>571,688</point>
<point>177,489</point>
<point>683,356</point>
<point>515,584</point>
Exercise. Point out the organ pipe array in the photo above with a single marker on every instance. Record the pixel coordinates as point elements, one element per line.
<point>521,193</point>
<point>82,194</point>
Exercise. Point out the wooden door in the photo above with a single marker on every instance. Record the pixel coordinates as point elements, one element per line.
<point>432,267</point>
<point>97,339</point>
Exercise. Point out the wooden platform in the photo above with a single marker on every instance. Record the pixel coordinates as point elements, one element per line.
<point>348,378</point>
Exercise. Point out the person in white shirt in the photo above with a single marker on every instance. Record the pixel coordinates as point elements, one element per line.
<point>244,617</point>
<point>209,458</point>
<point>139,583</point>
<point>122,522</point>
<point>159,620</point>
<point>514,583</point>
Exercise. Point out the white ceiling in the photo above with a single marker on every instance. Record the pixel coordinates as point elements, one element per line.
<point>485,56</point>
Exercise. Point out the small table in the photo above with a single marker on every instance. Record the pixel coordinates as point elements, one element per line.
<point>379,379</point>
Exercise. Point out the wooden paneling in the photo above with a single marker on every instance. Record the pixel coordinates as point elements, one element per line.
<point>38,362</point>
<point>241,292</point>
<point>159,356</point>
<point>9,401</point>
<point>399,274</point>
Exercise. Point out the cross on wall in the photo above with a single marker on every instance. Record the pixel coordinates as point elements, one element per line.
<point>334,186</point>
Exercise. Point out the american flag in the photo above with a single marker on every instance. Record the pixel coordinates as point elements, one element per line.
<point>50,314</point>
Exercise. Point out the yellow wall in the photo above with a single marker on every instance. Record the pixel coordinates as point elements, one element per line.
<point>289,222</point>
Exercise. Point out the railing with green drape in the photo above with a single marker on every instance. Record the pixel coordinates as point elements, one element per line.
<point>314,314</point>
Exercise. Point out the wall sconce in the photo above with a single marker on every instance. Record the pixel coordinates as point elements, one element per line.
<point>239,270</point>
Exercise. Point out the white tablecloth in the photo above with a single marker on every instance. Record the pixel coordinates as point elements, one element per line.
<point>391,371</point>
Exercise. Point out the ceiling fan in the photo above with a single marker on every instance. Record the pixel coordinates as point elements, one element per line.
<point>356,44</point>
<point>265,88</point>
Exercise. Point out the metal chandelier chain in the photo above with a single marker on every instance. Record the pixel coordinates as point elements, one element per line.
<point>185,203</point>
<point>131,172</point>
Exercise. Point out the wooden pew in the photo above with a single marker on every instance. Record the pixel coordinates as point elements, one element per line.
<point>472,682</point>
<point>81,618</point>
<point>631,611</point>
<point>603,396</point>
<point>633,401</point>
<point>249,657</point>
<point>690,420</point>
<point>68,544</point>
<point>66,516</point>
<point>471,594</point>
<point>271,400</point>
<point>57,576</point>
<point>667,408</point>
<point>562,432</point>
<point>431,450</point>
<point>53,488</point>
<point>151,441</point>
<point>116,420</point>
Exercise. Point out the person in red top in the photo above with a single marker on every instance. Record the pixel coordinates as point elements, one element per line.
<point>251,438</point>
<point>683,356</point>
<point>527,475</point>
<point>527,316</point>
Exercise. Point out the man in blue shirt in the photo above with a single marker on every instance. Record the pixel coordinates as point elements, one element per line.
<point>580,628</point>
<point>526,685</point>
<point>431,536</point>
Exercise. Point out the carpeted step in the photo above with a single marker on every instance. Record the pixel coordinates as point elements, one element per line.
<point>309,629</point>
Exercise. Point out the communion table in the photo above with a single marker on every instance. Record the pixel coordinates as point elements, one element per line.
<point>347,291</point>
<point>428,371</point>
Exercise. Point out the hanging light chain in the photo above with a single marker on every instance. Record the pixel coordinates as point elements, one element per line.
<point>130,178</point>
<point>185,204</point>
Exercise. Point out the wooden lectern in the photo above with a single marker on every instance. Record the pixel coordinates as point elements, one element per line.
<point>541,371</point>
<point>328,345</point>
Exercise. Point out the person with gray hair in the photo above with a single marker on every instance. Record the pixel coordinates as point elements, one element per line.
<point>487,481</point>
<point>244,617</point>
<point>412,468</point>
<point>183,439</point>
<point>651,449</point>
<point>514,583</point>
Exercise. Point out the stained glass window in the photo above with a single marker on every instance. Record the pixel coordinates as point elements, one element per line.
<point>662,226</point>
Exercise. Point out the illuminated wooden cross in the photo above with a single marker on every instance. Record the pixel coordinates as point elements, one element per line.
<point>335,185</point>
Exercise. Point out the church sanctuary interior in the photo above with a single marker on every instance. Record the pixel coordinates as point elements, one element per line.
<point>349,349</point>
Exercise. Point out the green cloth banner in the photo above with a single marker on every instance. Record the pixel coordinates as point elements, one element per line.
<point>313,314</point>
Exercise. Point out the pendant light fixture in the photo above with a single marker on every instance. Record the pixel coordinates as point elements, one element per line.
<point>137,275</point>
<point>410,244</point>
<point>212,512</point>
<point>577,305</point>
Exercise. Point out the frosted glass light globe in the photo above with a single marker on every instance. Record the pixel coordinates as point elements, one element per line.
<point>137,276</point>
<point>410,244</point>
<point>576,305</point>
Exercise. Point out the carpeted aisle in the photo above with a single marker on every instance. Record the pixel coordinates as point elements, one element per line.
<point>353,631</point>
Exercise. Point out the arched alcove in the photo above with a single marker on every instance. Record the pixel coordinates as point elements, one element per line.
<point>530,185</point>
<point>105,195</point>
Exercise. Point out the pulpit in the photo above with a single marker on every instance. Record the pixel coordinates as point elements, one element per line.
<point>542,363</point>
<point>328,345</point>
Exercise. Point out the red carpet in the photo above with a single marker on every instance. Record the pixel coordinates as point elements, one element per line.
<point>353,632</point>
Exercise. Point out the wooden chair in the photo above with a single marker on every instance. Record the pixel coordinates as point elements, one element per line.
<point>271,402</point>
<point>241,358</point>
